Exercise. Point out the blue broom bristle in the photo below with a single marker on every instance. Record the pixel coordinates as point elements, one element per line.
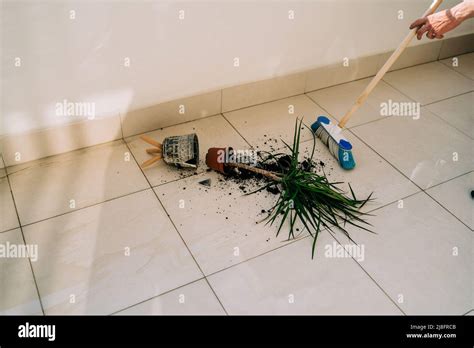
<point>341,150</point>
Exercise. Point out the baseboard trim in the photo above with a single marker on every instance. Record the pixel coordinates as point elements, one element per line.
<point>21,148</point>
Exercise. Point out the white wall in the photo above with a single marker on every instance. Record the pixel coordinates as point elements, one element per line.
<point>81,59</point>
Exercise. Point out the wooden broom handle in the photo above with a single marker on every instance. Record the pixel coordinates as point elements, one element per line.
<point>151,161</point>
<point>434,5</point>
<point>150,141</point>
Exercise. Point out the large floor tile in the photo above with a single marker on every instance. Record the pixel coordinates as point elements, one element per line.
<point>372,174</point>
<point>428,150</point>
<point>63,183</point>
<point>219,223</point>
<point>455,195</point>
<point>421,256</point>
<point>8,217</point>
<point>213,131</point>
<point>18,295</point>
<point>338,99</point>
<point>264,125</point>
<point>463,64</point>
<point>429,83</point>
<point>109,256</point>
<point>288,281</point>
<point>193,299</point>
<point>457,111</point>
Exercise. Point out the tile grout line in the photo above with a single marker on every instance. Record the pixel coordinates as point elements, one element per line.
<point>446,181</point>
<point>24,242</point>
<point>373,280</point>
<point>177,231</point>
<point>372,75</point>
<point>339,84</point>
<point>390,163</point>
<point>440,50</point>
<point>452,68</point>
<point>263,103</point>
<point>82,208</point>
<point>222,102</point>
<point>414,183</point>
<point>444,99</point>
<point>285,242</point>
<point>336,120</point>
<point>156,296</point>
<point>426,104</point>
<point>388,117</point>
<point>209,116</point>
<point>31,164</point>
<point>11,229</point>
<point>169,126</point>
<point>451,125</point>
<point>442,206</point>
<point>121,126</point>
<point>235,129</point>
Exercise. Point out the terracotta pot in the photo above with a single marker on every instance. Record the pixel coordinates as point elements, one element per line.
<point>216,158</point>
<point>181,151</point>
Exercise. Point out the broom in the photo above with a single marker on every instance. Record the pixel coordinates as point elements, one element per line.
<point>331,134</point>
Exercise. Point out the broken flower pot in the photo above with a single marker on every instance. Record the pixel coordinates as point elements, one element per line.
<point>181,151</point>
<point>215,158</point>
<point>223,160</point>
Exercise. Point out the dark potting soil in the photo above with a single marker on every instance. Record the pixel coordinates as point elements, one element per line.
<point>249,181</point>
<point>239,182</point>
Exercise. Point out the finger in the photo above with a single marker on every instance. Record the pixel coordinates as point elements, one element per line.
<point>431,34</point>
<point>421,31</point>
<point>440,36</point>
<point>419,22</point>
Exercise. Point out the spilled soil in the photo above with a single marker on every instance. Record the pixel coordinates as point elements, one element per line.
<point>238,182</point>
<point>248,181</point>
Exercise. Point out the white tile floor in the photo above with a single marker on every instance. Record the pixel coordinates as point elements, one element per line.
<point>115,239</point>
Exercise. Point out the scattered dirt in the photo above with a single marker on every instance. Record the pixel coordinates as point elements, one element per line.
<point>249,181</point>
<point>240,181</point>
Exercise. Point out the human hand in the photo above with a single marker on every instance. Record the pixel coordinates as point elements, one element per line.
<point>435,25</point>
